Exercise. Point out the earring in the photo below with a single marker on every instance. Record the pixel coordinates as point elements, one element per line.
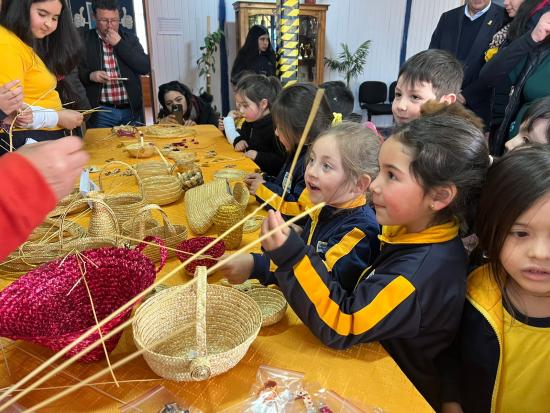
<point>432,206</point>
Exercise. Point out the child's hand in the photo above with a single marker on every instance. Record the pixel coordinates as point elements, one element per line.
<point>251,154</point>
<point>220,124</point>
<point>241,146</point>
<point>11,99</point>
<point>24,119</point>
<point>277,239</point>
<point>239,269</point>
<point>253,181</point>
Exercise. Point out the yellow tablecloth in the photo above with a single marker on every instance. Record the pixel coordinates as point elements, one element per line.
<point>364,373</point>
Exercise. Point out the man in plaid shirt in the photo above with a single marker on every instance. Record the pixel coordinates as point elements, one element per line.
<point>114,60</point>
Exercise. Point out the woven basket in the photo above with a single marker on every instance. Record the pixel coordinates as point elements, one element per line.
<point>241,194</point>
<point>191,177</point>
<point>162,190</point>
<point>64,202</point>
<point>253,223</point>
<point>152,168</point>
<point>196,331</point>
<point>167,130</point>
<point>50,305</point>
<point>193,245</point>
<point>227,216</point>
<point>171,234</point>
<point>125,205</point>
<point>202,202</point>
<point>137,150</point>
<point>230,174</point>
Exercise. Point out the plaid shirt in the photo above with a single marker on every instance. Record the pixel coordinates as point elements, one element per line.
<point>112,92</point>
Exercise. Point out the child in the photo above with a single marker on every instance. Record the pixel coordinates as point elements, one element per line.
<point>342,161</point>
<point>502,351</point>
<point>254,96</point>
<point>429,75</point>
<point>290,112</point>
<point>536,125</point>
<point>340,99</point>
<point>410,299</point>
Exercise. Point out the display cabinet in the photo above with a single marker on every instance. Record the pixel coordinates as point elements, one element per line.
<point>311,41</point>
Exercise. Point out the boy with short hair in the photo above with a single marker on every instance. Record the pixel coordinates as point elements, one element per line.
<point>429,75</point>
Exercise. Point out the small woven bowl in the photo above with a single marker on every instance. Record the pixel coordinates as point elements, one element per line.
<point>272,303</point>
<point>193,245</point>
<point>136,150</point>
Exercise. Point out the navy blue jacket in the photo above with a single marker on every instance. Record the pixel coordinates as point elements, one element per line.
<point>346,239</point>
<point>410,299</point>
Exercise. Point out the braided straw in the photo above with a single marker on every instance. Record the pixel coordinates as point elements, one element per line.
<point>226,217</point>
<point>219,324</point>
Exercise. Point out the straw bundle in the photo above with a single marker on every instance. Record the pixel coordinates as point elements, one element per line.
<point>215,325</point>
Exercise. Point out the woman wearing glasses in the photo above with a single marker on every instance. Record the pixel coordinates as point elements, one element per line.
<point>38,45</point>
<point>110,69</point>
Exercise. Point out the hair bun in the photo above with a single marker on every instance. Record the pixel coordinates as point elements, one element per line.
<point>434,108</point>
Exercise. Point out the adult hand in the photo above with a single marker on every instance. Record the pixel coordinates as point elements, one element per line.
<point>239,269</point>
<point>60,162</point>
<point>24,118</point>
<point>253,181</point>
<point>279,237</point>
<point>251,154</point>
<point>112,37</point>
<point>241,146</point>
<point>542,29</point>
<point>11,99</point>
<point>69,119</point>
<point>100,76</point>
<point>189,122</point>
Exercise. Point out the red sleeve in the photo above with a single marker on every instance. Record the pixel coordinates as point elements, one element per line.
<point>25,200</point>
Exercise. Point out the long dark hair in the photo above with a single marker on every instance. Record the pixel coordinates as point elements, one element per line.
<point>258,87</point>
<point>60,50</point>
<point>291,110</point>
<point>250,49</point>
<point>514,183</point>
<point>175,86</point>
<point>448,149</point>
<point>526,18</point>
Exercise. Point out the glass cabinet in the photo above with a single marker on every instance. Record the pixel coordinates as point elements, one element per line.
<point>311,39</point>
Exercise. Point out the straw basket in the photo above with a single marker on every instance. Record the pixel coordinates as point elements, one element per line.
<point>162,190</point>
<point>196,331</point>
<point>125,205</point>
<point>152,168</point>
<point>190,176</point>
<point>167,130</point>
<point>230,174</point>
<point>202,202</point>
<point>137,150</point>
<point>64,202</point>
<point>171,234</point>
<point>227,216</point>
<point>50,305</point>
<point>191,246</point>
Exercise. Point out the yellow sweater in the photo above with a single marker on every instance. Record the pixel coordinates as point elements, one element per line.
<point>19,61</point>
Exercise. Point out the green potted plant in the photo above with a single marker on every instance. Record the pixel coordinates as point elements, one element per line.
<point>348,63</point>
<point>207,60</point>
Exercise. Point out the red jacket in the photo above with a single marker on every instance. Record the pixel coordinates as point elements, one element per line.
<point>25,200</point>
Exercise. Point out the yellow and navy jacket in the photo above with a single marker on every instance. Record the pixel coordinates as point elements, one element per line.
<point>410,299</point>
<point>345,239</point>
<point>297,198</point>
<point>473,365</point>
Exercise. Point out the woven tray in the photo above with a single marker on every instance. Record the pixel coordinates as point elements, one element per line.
<point>231,174</point>
<point>168,131</point>
<point>196,331</point>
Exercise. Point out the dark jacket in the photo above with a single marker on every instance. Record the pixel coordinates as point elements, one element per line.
<point>346,239</point>
<point>260,136</point>
<point>410,299</point>
<point>262,64</point>
<point>447,35</point>
<point>131,59</point>
<point>297,198</point>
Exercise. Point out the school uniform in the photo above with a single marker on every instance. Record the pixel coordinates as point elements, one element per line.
<point>296,198</point>
<point>498,363</point>
<point>345,239</point>
<point>410,299</point>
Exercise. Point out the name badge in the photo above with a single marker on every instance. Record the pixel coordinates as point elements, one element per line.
<point>285,180</point>
<point>321,247</point>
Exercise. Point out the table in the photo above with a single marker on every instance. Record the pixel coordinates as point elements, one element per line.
<point>364,373</point>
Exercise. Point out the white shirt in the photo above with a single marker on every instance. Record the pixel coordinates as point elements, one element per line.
<point>478,14</point>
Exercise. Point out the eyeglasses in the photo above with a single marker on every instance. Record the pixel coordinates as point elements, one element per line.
<point>107,21</point>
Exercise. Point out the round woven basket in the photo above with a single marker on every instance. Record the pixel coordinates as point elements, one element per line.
<point>226,217</point>
<point>196,331</point>
<point>241,194</point>
<point>152,168</point>
<point>171,234</point>
<point>191,177</point>
<point>272,303</point>
<point>136,150</point>
<point>125,205</point>
<point>193,245</point>
<point>162,190</point>
<point>50,305</point>
<point>230,174</point>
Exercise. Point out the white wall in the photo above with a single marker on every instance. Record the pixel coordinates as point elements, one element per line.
<point>348,21</point>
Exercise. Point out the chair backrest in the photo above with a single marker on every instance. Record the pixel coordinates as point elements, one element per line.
<point>392,90</point>
<point>373,92</point>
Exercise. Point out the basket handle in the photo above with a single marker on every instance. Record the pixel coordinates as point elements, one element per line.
<point>200,366</point>
<point>140,232</point>
<point>163,251</point>
<point>129,167</point>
